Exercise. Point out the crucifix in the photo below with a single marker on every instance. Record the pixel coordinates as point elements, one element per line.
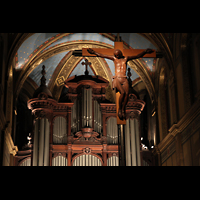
<point>120,57</point>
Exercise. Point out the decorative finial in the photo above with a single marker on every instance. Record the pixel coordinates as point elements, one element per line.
<point>43,79</point>
<point>86,63</point>
<point>129,73</point>
<point>118,38</point>
<point>129,77</point>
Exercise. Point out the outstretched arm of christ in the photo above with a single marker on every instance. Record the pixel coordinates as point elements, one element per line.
<point>140,55</point>
<point>91,51</point>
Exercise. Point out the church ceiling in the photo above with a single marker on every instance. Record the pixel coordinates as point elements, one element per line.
<point>38,40</point>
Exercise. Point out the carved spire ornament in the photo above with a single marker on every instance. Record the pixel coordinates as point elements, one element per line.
<point>43,89</point>
<point>43,79</point>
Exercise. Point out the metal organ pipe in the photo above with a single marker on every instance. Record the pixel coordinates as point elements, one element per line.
<point>132,143</point>
<point>75,117</point>
<point>72,118</point>
<point>41,143</point>
<point>100,121</point>
<point>90,108</point>
<point>35,143</point>
<point>87,113</point>
<point>26,163</point>
<point>137,142</point>
<point>113,161</point>
<point>87,107</point>
<point>84,107</point>
<point>97,118</point>
<point>94,115</point>
<point>59,161</point>
<point>60,130</point>
<point>46,143</point>
<point>78,114</point>
<point>87,160</point>
<point>127,142</point>
<point>112,133</point>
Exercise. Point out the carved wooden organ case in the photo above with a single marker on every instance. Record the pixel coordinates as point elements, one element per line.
<point>82,129</point>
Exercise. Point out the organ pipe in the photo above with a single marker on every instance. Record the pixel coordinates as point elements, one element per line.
<point>90,104</point>
<point>113,161</point>
<point>26,163</point>
<point>87,160</point>
<point>97,118</point>
<point>132,143</point>
<point>60,130</point>
<point>112,133</point>
<point>87,107</point>
<point>59,161</point>
<point>41,143</point>
<point>75,122</point>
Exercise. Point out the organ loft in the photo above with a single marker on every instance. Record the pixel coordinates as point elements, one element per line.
<point>81,129</point>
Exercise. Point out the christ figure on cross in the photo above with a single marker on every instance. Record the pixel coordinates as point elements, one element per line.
<point>120,81</point>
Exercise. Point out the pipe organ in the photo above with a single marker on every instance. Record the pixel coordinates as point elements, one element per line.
<point>82,130</point>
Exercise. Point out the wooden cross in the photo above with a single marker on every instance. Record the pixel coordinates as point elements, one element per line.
<point>86,63</point>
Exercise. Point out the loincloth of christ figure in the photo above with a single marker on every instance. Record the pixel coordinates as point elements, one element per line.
<point>120,82</point>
